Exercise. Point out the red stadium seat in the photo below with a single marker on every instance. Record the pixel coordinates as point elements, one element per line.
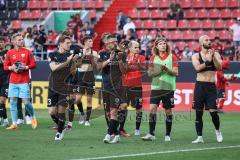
<point>36,14</point>
<point>212,34</point>
<point>219,24</point>
<point>225,13</point>
<point>214,13</point>
<point>202,14</point>
<point>143,14</point>
<point>54,4</point>
<point>209,3</point>
<point>171,24</point>
<point>133,13</point>
<point>190,14</point>
<point>138,23</point>
<point>236,13</point>
<point>229,23</point>
<point>198,34</point>
<point>141,4</point>
<point>140,33</point>
<point>66,5</point>
<point>195,24</point>
<point>233,4</point>
<point>152,4</point>
<point>223,34</point>
<point>149,24</point>
<point>175,35</point>
<point>33,4</point>
<point>207,24</point>
<point>197,4</point>
<point>16,24</point>
<point>45,13</point>
<point>44,4</point>
<point>156,14</point>
<point>25,14</point>
<point>181,45</point>
<point>186,3</point>
<point>160,24</point>
<point>99,4</point>
<point>77,4</point>
<point>166,34</point>
<point>183,24</point>
<point>164,13</point>
<point>193,46</point>
<point>93,14</point>
<point>220,4</point>
<point>187,35</point>
<point>89,4</point>
<point>164,3</point>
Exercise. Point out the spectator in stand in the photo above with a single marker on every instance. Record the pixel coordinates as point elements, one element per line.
<point>148,52</point>
<point>120,36</point>
<point>187,53</point>
<point>176,51</point>
<point>35,30</point>
<point>81,35</point>
<point>144,40</point>
<point>130,35</point>
<point>121,20</point>
<point>104,40</point>
<point>51,42</point>
<point>71,24</point>
<point>175,12</point>
<point>89,31</point>
<point>28,31</point>
<point>217,45</point>
<point>229,51</point>
<point>78,20</point>
<point>29,41</point>
<point>238,54</point>
<point>129,25</point>
<point>42,37</point>
<point>2,4</point>
<point>235,29</point>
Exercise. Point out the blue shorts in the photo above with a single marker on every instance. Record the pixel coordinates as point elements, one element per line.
<point>19,90</point>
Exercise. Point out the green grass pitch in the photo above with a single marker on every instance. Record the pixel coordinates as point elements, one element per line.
<point>86,142</point>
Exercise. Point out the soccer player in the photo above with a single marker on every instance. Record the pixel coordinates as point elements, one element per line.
<point>206,63</point>
<point>85,76</point>
<point>112,69</point>
<point>18,61</point>
<point>4,76</point>
<point>163,69</point>
<point>132,81</point>
<point>57,102</point>
<point>221,84</point>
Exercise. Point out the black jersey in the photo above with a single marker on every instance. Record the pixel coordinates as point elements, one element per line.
<point>4,75</point>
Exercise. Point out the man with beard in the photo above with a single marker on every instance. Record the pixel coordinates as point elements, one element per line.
<point>206,63</point>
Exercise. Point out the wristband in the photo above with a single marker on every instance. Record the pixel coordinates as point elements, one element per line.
<point>9,68</point>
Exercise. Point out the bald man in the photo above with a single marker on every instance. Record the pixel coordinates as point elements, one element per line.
<point>206,63</point>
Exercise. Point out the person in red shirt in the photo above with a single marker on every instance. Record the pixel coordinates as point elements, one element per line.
<point>18,61</point>
<point>132,82</point>
<point>222,81</point>
<point>217,45</point>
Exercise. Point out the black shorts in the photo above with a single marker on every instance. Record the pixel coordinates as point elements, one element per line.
<point>86,82</point>
<point>221,94</point>
<point>55,99</point>
<point>134,95</point>
<point>167,98</point>
<point>205,95</point>
<point>113,98</point>
<point>4,90</point>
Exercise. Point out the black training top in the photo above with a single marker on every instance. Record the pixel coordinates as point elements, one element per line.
<point>210,67</point>
<point>4,75</point>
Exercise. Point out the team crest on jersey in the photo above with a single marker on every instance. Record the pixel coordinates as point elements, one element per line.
<point>23,55</point>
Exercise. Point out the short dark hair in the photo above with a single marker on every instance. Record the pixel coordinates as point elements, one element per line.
<point>67,33</point>
<point>110,36</point>
<point>2,38</point>
<point>62,39</point>
<point>228,42</point>
<point>85,39</point>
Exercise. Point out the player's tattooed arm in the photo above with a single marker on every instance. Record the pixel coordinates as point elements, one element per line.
<point>217,60</point>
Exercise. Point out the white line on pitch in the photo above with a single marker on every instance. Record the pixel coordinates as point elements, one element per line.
<point>160,152</point>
